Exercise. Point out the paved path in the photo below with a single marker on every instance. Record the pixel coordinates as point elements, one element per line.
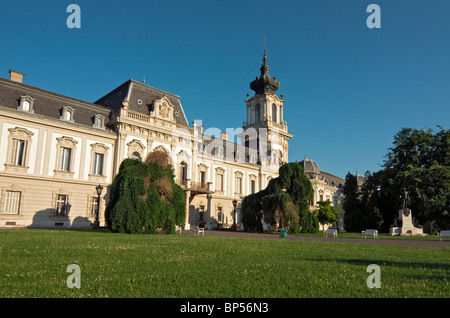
<point>392,242</point>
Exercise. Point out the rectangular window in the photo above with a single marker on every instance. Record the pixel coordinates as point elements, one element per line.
<point>253,186</point>
<point>98,164</point>
<point>18,152</point>
<point>94,206</point>
<point>202,177</point>
<point>219,214</point>
<point>61,204</point>
<point>66,158</point>
<point>219,185</point>
<point>12,202</point>
<point>238,185</point>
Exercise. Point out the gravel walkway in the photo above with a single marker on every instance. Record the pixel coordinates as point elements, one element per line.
<point>392,242</point>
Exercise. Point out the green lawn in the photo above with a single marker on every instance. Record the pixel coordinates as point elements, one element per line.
<point>33,263</point>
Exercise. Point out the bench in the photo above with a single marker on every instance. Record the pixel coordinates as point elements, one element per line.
<point>333,232</point>
<point>198,230</point>
<point>443,234</point>
<point>373,233</point>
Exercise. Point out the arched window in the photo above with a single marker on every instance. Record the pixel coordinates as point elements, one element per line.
<point>274,113</point>
<point>257,113</point>
<point>183,170</point>
<point>136,156</point>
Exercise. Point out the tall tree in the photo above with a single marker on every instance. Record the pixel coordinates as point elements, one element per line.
<point>418,161</point>
<point>282,203</point>
<point>351,204</point>
<point>144,197</point>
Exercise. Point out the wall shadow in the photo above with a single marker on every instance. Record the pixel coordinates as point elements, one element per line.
<point>47,219</point>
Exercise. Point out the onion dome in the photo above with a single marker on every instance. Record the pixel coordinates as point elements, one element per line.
<point>264,83</point>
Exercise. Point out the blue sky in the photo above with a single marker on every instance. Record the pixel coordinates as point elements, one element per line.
<point>348,89</point>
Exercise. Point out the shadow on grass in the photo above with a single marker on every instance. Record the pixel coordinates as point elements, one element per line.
<point>382,263</point>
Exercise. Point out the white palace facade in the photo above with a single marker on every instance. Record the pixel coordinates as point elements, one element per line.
<point>55,150</point>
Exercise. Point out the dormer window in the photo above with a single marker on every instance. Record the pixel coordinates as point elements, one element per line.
<point>26,104</point>
<point>99,121</point>
<point>67,113</point>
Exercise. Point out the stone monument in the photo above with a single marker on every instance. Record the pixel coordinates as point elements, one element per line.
<point>404,224</point>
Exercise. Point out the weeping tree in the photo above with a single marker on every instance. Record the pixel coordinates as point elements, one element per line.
<point>284,203</point>
<point>145,198</point>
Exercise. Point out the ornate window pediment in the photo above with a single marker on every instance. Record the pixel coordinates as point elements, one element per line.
<point>183,153</point>
<point>135,147</point>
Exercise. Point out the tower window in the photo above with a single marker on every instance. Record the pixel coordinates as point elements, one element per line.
<point>257,113</point>
<point>274,113</point>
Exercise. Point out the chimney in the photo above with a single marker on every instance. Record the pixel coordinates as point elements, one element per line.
<point>16,76</point>
<point>224,136</point>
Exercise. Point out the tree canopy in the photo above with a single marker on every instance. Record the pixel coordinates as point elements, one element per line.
<point>145,198</point>
<point>419,161</point>
<point>326,213</point>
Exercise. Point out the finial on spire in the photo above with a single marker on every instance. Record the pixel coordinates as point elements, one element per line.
<point>264,46</point>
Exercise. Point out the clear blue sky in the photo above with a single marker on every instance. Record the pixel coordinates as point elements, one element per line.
<point>348,89</point>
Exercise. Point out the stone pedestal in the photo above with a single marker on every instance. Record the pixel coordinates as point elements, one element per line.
<point>407,227</point>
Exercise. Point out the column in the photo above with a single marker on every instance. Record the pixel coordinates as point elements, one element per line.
<point>209,196</point>
<point>186,225</point>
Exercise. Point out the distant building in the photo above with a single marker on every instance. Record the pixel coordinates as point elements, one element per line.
<point>326,187</point>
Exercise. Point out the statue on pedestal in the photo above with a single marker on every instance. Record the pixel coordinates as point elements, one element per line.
<point>405,197</point>
<point>405,225</point>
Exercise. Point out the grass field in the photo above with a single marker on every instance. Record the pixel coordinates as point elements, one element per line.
<point>33,263</point>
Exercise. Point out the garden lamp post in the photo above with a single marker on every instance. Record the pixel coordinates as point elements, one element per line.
<point>234,212</point>
<point>99,190</point>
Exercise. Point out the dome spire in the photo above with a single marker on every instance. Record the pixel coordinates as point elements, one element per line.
<point>264,83</point>
<point>265,67</point>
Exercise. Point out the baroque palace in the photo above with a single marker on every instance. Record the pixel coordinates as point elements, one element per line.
<point>55,151</point>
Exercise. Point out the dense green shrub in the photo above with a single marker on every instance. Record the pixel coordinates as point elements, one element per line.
<point>252,212</point>
<point>145,198</point>
<point>282,203</point>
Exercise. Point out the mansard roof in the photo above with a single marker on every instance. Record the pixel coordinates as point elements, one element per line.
<point>49,104</point>
<point>141,98</point>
